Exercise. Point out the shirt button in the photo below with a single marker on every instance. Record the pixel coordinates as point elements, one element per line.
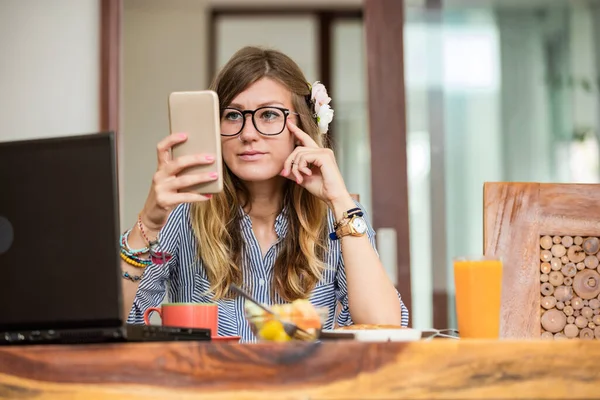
<point>261,281</point>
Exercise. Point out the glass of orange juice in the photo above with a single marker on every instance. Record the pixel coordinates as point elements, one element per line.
<point>478,286</point>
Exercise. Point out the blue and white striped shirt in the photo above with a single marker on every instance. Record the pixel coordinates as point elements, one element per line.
<point>187,281</point>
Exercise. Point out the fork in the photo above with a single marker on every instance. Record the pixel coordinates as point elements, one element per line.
<point>290,329</point>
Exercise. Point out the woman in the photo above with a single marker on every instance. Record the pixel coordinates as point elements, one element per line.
<point>272,229</point>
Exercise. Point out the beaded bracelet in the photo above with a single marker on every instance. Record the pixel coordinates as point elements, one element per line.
<point>127,249</point>
<point>132,278</point>
<point>157,257</point>
<point>143,232</point>
<point>138,263</point>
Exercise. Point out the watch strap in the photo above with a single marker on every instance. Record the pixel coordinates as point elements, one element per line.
<point>342,226</point>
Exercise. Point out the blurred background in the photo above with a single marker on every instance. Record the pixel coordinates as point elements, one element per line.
<point>494,90</point>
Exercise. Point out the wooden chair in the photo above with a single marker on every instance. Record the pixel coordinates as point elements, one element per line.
<point>545,232</point>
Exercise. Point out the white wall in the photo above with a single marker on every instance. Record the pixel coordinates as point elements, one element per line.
<point>49,68</point>
<point>164,49</point>
<point>280,33</point>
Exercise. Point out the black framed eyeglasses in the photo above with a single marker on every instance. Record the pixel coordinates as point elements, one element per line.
<point>268,121</point>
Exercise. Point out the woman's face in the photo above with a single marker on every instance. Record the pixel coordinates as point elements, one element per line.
<point>251,156</point>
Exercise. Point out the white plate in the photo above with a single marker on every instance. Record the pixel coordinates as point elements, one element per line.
<point>383,335</point>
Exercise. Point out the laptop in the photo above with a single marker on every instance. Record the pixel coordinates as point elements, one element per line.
<point>59,245</point>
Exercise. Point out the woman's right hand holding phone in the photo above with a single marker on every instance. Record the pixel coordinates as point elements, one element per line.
<point>164,193</point>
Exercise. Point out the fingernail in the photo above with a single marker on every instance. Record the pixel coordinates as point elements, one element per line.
<point>213,175</point>
<point>210,158</point>
<point>182,136</point>
<point>284,172</point>
<point>208,196</point>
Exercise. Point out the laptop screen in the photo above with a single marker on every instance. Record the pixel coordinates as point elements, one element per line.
<point>59,233</point>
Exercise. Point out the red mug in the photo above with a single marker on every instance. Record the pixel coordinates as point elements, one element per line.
<point>187,315</point>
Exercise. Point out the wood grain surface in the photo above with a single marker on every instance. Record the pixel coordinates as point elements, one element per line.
<point>515,216</point>
<point>438,369</point>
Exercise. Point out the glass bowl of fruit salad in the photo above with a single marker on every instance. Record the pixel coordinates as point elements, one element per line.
<point>268,327</point>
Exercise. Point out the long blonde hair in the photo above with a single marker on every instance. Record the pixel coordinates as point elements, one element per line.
<point>216,223</point>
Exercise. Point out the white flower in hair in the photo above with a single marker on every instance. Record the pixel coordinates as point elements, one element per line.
<point>324,118</point>
<point>323,112</point>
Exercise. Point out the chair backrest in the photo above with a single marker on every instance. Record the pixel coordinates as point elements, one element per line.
<point>547,236</point>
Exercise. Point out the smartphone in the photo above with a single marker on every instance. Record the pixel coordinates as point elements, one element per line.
<point>197,114</point>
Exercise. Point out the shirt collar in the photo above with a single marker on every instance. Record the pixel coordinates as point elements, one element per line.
<point>281,221</point>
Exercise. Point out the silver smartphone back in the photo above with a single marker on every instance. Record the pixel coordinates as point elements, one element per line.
<point>197,114</point>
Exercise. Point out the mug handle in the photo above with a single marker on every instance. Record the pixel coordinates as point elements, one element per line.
<point>147,314</point>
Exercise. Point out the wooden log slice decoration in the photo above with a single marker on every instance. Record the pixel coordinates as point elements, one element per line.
<point>553,321</point>
<point>548,302</point>
<point>564,293</point>
<point>546,268</point>
<point>591,245</point>
<point>558,250</point>
<point>556,278</point>
<point>568,310</point>
<point>568,281</point>
<point>571,331</point>
<point>587,312</point>
<point>575,254</point>
<point>570,287</point>
<point>547,289</point>
<point>576,302</point>
<point>546,255</point>
<point>591,262</point>
<point>547,335</point>
<point>569,269</point>
<point>581,322</point>
<point>560,336</point>
<point>586,333</point>
<point>546,242</point>
<point>556,264</point>
<point>587,284</point>
<point>567,241</point>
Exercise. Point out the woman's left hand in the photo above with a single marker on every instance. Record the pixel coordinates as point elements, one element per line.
<point>314,168</point>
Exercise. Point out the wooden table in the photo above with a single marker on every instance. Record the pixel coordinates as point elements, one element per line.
<point>334,370</point>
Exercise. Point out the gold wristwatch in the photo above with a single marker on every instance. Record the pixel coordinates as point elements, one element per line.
<point>355,226</point>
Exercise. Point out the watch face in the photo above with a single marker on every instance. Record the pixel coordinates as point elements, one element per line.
<point>359,225</point>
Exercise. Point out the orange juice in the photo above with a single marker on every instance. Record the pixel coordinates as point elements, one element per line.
<point>478,284</point>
